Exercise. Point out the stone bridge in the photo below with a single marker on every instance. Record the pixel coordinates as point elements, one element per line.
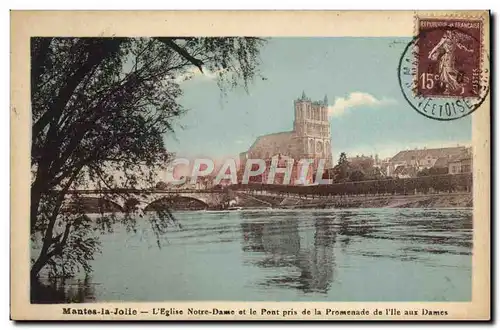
<point>144,198</point>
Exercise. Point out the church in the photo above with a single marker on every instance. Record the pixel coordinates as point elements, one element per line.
<point>310,138</point>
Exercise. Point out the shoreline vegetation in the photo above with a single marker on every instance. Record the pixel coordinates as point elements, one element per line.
<point>442,200</point>
<point>247,201</point>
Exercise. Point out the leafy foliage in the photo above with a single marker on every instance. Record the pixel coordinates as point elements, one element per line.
<point>356,169</point>
<point>437,183</point>
<point>100,108</point>
<point>433,171</point>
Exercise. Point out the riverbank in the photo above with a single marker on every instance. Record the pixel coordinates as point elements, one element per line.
<point>451,200</point>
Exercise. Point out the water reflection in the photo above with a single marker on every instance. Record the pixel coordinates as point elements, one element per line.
<point>283,255</point>
<point>446,230</point>
<point>286,246</point>
<point>299,251</point>
<point>350,226</point>
<point>62,290</point>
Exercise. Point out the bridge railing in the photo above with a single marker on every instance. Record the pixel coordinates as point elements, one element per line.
<point>420,185</point>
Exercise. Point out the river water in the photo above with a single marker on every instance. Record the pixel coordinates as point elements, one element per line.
<point>287,255</point>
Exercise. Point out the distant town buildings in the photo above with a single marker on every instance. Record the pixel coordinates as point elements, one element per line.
<point>311,139</point>
<point>405,164</point>
<point>408,163</point>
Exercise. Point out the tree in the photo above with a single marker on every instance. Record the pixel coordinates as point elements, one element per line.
<point>365,164</point>
<point>356,175</point>
<point>161,185</point>
<point>341,170</point>
<point>342,159</point>
<point>100,106</point>
<point>433,171</point>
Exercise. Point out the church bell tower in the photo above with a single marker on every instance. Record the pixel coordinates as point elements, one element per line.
<point>312,129</point>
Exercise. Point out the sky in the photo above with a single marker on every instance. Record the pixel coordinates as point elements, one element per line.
<point>368,113</point>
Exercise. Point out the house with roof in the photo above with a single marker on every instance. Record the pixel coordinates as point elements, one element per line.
<point>404,172</point>
<point>419,159</point>
<point>460,164</point>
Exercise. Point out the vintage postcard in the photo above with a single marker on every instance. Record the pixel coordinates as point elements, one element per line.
<point>268,165</point>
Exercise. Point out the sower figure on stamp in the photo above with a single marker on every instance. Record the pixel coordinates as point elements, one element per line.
<point>445,52</point>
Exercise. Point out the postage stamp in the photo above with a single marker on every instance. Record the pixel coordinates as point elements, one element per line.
<point>444,71</point>
<point>199,166</point>
<point>449,57</point>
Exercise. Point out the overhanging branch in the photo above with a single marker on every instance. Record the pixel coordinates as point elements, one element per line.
<point>169,42</point>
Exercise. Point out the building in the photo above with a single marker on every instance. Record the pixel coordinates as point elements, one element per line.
<point>310,138</point>
<point>419,159</point>
<point>360,159</point>
<point>404,172</point>
<point>365,161</point>
<point>461,163</point>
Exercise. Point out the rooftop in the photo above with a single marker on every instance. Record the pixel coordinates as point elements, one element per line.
<point>407,155</point>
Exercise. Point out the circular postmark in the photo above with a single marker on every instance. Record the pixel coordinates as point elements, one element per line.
<point>443,72</point>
